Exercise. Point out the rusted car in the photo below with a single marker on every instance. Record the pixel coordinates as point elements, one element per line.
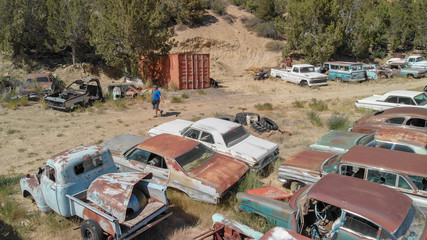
<point>180,163</point>
<point>401,171</point>
<point>39,85</point>
<point>227,229</point>
<point>340,142</point>
<point>341,207</point>
<point>404,140</point>
<point>84,182</point>
<point>307,167</point>
<point>401,117</point>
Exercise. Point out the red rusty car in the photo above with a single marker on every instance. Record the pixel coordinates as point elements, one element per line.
<point>180,163</point>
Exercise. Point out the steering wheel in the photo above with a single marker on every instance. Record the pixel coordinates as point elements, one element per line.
<point>320,214</point>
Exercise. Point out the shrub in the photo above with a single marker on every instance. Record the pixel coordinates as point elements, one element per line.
<point>201,92</point>
<point>12,131</point>
<point>251,181</point>
<point>274,46</point>
<point>218,6</point>
<point>176,100</point>
<point>318,105</point>
<point>184,96</point>
<point>314,118</point>
<point>265,106</point>
<point>337,123</point>
<point>299,104</point>
<point>267,29</point>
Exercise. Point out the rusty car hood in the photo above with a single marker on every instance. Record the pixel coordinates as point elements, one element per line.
<point>112,191</point>
<point>221,171</point>
<point>307,159</point>
<point>119,144</point>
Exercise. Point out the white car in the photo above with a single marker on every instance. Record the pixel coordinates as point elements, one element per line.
<point>225,137</point>
<point>399,98</point>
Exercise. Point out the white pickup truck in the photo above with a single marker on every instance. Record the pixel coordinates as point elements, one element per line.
<point>413,61</point>
<point>301,74</point>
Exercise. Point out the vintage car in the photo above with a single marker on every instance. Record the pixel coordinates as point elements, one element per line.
<point>225,137</point>
<point>401,171</point>
<point>84,182</point>
<point>344,71</point>
<point>341,207</point>
<point>79,93</point>
<point>399,98</point>
<point>179,163</point>
<point>401,117</point>
<point>405,70</point>
<point>224,228</point>
<point>340,142</point>
<point>39,85</point>
<point>404,140</point>
<point>414,61</point>
<point>375,71</point>
<point>301,74</point>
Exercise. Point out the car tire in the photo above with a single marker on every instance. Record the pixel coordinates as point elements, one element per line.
<point>241,117</point>
<point>410,76</point>
<point>91,230</point>
<point>230,118</point>
<point>383,76</point>
<point>338,79</point>
<point>303,84</point>
<point>268,123</point>
<point>257,127</point>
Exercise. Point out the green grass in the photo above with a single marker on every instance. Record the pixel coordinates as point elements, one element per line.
<point>13,104</point>
<point>318,105</point>
<point>251,181</point>
<point>314,118</point>
<point>336,122</point>
<point>21,150</point>
<point>195,118</point>
<point>185,96</point>
<point>265,106</point>
<point>12,131</point>
<point>60,135</point>
<point>99,141</point>
<point>299,104</point>
<point>201,92</point>
<point>176,100</point>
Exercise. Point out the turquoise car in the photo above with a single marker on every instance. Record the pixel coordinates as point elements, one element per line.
<point>344,71</point>
<point>404,70</point>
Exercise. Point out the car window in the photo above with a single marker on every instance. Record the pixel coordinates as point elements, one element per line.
<point>380,144</point>
<point>366,139</point>
<point>207,137</point>
<point>88,164</point>
<point>50,173</point>
<point>385,235</point>
<point>156,161</point>
<point>195,157</point>
<point>420,182</point>
<point>403,148</point>
<point>406,100</point>
<point>396,120</point>
<point>403,184</point>
<point>391,99</point>
<point>353,171</point>
<point>331,165</point>
<point>139,155</point>
<point>235,135</point>
<point>416,122</point>
<point>383,178</point>
<point>192,133</point>
<point>360,225</point>
<point>421,99</point>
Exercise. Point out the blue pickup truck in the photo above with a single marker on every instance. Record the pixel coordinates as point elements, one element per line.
<point>84,182</point>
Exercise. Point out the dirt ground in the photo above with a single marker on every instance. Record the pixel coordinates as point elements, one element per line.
<point>30,135</point>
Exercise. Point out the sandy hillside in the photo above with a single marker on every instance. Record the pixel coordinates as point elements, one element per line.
<point>31,134</point>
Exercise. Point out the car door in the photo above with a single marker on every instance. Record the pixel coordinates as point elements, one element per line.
<point>49,188</point>
<point>355,227</point>
<point>208,140</point>
<point>405,101</point>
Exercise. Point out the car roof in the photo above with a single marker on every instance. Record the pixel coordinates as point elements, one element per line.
<point>75,155</point>
<point>215,124</point>
<point>382,205</point>
<point>405,93</point>
<point>303,65</point>
<point>168,145</point>
<point>340,138</point>
<point>407,136</point>
<point>392,160</point>
<point>343,63</point>
<point>308,159</point>
<point>397,63</point>
<point>405,110</point>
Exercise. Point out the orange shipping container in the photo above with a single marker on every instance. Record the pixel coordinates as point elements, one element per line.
<point>183,71</point>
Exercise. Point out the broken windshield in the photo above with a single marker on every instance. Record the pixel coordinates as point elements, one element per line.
<point>195,157</point>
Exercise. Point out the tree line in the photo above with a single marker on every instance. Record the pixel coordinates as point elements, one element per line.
<point>120,31</point>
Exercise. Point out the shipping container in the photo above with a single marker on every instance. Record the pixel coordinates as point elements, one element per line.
<point>182,71</point>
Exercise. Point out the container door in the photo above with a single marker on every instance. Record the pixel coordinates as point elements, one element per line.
<point>49,188</point>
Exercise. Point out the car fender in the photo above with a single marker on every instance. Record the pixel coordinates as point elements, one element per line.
<point>31,186</point>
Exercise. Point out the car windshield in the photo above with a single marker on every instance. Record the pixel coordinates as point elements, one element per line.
<point>413,225</point>
<point>39,80</point>
<point>195,157</point>
<point>306,69</point>
<point>235,135</point>
<point>331,165</point>
<point>421,99</point>
<point>365,139</point>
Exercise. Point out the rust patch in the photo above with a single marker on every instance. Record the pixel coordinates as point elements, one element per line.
<point>308,159</point>
<point>167,145</point>
<point>402,135</point>
<point>106,225</point>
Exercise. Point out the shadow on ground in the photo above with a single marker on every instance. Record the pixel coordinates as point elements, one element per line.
<point>7,232</point>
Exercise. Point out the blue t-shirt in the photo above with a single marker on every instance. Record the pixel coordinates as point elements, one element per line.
<point>156,95</point>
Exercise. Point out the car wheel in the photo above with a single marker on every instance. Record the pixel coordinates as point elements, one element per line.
<point>268,123</point>
<point>303,84</point>
<point>257,127</point>
<point>410,76</point>
<point>383,76</point>
<point>241,117</point>
<point>90,230</point>
<point>338,79</point>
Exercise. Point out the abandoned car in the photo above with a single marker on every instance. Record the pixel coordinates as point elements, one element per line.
<point>404,140</point>
<point>180,163</point>
<point>80,93</point>
<point>40,85</point>
<point>405,70</point>
<point>401,171</point>
<point>225,137</point>
<point>399,98</point>
<point>339,142</point>
<point>84,182</point>
<point>341,207</point>
<point>401,117</point>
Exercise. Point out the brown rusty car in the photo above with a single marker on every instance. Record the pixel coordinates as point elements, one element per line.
<point>404,140</point>
<point>400,117</point>
<point>180,163</point>
<point>38,85</point>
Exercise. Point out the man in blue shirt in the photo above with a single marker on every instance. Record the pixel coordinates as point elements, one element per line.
<point>157,97</point>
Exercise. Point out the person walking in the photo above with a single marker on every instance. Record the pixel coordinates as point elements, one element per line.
<point>157,98</point>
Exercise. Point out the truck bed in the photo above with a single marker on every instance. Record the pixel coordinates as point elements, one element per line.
<point>150,209</point>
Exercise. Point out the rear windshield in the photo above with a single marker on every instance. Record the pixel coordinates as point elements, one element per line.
<point>421,99</point>
<point>195,157</point>
<point>331,165</point>
<point>306,69</point>
<point>234,136</point>
<point>39,80</point>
